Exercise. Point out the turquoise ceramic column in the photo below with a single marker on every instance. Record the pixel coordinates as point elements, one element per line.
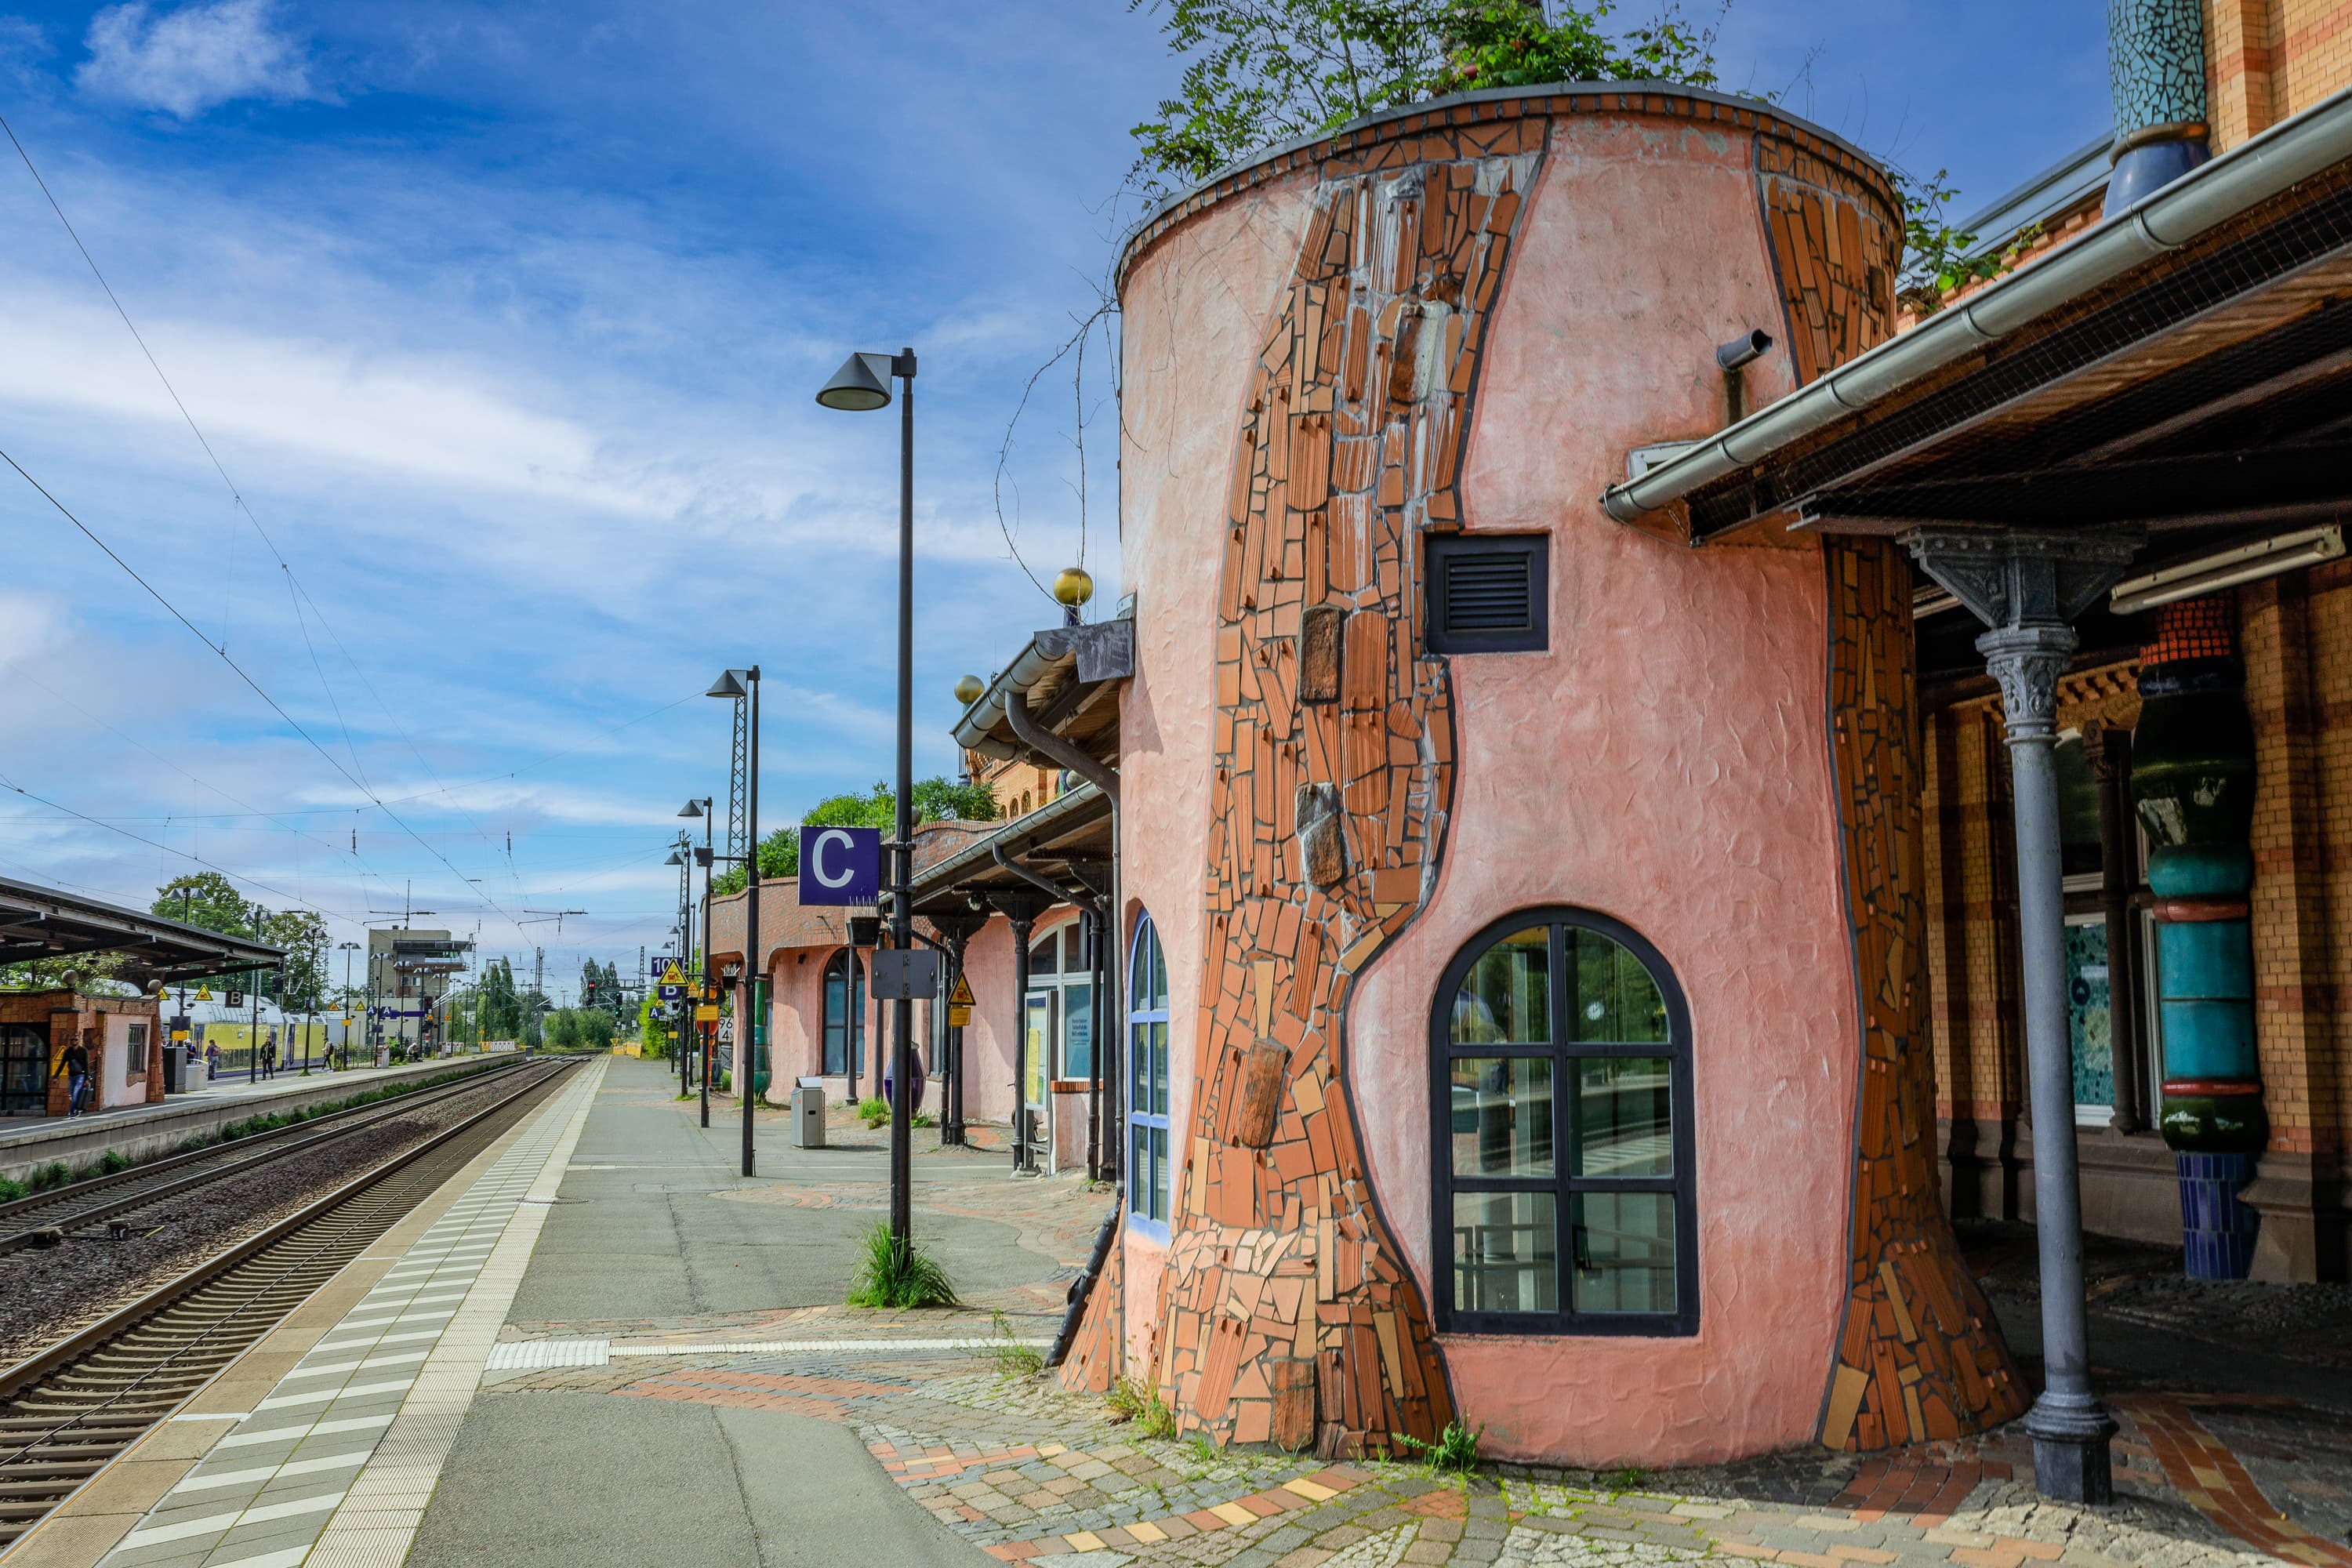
<point>2193,779</point>
<point>2156,72</point>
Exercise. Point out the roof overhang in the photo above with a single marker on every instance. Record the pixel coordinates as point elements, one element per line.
<point>1073,830</point>
<point>1069,675</point>
<point>38,923</point>
<point>2186,362</point>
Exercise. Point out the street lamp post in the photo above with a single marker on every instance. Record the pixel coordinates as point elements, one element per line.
<point>861,385</point>
<point>734,683</point>
<point>701,808</point>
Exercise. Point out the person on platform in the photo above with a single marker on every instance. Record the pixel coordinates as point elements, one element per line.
<point>270,1056</point>
<point>76,1077</point>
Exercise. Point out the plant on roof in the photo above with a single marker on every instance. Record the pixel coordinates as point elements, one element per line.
<point>1938,258</point>
<point>1259,73</point>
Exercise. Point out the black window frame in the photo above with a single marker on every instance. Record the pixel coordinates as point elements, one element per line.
<point>852,980</point>
<point>1439,550</point>
<point>1684,1321</point>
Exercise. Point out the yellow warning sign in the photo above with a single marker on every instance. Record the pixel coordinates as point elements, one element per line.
<point>673,976</point>
<point>707,1013</point>
<point>204,994</point>
<point>960,1003</point>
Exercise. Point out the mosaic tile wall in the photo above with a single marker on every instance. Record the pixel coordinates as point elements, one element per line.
<point>1288,1312</point>
<point>1835,253</point>
<point>1920,1357</point>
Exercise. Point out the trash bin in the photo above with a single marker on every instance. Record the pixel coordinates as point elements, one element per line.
<point>808,1114</point>
<point>175,1068</point>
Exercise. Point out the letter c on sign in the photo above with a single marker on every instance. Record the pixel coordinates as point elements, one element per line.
<point>824,841</point>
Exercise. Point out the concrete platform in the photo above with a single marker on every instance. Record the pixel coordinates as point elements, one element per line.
<point>148,1132</point>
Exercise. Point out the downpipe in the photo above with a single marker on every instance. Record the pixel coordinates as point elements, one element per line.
<point>1083,1286</point>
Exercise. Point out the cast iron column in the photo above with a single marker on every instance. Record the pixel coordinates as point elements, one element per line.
<point>1022,911</point>
<point>2027,588</point>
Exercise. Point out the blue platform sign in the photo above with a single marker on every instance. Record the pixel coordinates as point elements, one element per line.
<point>841,865</point>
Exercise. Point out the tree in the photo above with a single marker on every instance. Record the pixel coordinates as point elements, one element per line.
<point>935,799</point>
<point>206,899</point>
<point>1263,72</point>
<point>499,1005</point>
<point>302,986</point>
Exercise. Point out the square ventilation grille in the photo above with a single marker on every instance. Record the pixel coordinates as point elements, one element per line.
<point>1489,594</point>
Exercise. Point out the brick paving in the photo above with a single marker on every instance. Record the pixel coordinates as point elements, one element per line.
<point>1026,1470</point>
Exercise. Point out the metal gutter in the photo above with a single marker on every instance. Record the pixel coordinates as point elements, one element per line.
<point>1028,667</point>
<point>1040,739</point>
<point>2241,178</point>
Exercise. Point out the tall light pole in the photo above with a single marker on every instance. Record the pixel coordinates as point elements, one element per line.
<point>703,857</point>
<point>861,385</point>
<point>347,949</point>
<point>732,684</point>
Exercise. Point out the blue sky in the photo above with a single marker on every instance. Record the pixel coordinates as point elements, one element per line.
<point>504,320</point>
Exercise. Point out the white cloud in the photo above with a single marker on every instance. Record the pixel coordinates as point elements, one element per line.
<point>189,60</point>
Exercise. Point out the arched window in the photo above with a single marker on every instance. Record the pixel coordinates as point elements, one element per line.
<point>845,1011</point>
<point>1147,1081</point>
<point>1580,1222</point>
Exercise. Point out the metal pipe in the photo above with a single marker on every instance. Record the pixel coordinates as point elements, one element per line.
<point>753,966</point>
<point>1038,738</point>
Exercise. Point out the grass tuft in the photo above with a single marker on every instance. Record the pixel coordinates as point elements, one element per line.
<point>12,1189</point>
<point>1132,1399</point>
<point>889,1276</point>
<point>1629,1478</point>
<point>55,1173</point>
<point>1455,1452</point>
<point>873,1111</point>
<point>1012,1359</point>
<point>112,1160</point>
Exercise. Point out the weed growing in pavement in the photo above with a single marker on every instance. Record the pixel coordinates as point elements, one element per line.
<point>11,1189</point>
<point>1132,1399</point>
<point>1629,1478</point>
<point>874,1110</point>
<point>1203,1450</point>
<point>112,1160</point>
<point>1455,1452</point>
<point>924,1119</point>
<point>892,1275</point>
<point>1012,1359</point>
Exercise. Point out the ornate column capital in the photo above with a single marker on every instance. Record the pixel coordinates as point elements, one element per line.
<point>2028,661</point>
<point>2012,577</point>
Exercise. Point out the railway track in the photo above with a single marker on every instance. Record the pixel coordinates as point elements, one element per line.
<point>67,1410</point>
<point>44,1218</point>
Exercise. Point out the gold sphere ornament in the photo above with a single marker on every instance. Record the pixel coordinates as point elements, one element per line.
<point>968,690</point>
<point>1074,586</point>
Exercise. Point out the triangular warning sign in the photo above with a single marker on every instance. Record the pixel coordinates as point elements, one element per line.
<point>671,976</point>
<point>962,993</point>
<point>204,994</point>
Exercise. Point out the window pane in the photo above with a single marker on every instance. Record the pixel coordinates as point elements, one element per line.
<point>1616,1000</point>
<point>1138,1168</point>
<point>1139,1069</point>
<point>1507,997</point>
<point>1139,971</point>
<point>1159,1069</point>
<point>1624,1251</point>
<point>1624,1117</point>
<point>1078,1032</point>
<point>1159,973</point>
<point>1158,1172</point>
<point>1044,954</point>
<point>1505,1256</point>
<point>1502,1116</point>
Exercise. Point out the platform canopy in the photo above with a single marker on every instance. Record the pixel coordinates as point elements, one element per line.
<point>2184,366</point>
<point>37,922</point>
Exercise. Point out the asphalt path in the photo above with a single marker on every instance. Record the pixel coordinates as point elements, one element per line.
<point>588,1480</point>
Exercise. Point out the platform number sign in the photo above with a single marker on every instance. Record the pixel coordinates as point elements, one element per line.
<point>236,999</point>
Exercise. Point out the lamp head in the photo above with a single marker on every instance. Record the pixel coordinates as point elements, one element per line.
<point>692,808</point>
<point>861,385</point>
<point>674,859</point>
<point>729,684</point>
<point>968,690</point>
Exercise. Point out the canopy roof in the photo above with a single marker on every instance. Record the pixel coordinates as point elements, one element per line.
<point>45,923</point>
<point>2185,363</point>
